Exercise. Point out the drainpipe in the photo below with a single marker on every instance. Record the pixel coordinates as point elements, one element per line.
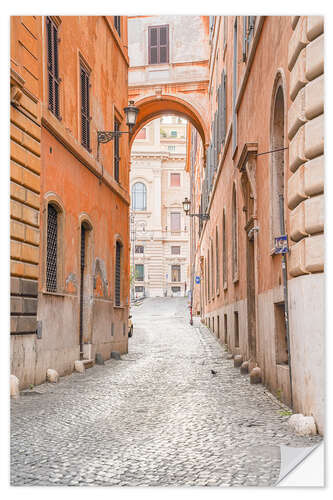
<point>285,293</point>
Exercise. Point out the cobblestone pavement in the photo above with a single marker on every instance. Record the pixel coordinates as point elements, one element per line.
<point>158,417</point>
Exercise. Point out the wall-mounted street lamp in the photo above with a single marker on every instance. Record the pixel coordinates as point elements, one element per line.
<point>103,136</point>
<point>187,206</point>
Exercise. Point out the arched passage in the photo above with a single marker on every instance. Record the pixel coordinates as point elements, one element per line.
<point>154,106</point>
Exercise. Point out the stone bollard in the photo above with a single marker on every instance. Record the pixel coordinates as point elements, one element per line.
<point>238,360</point>
<point>99,359</point>
<point>14,386</point>
<point>244,368</point>
<point>52,376</point>
<point>115,355</point>
<point>301,425</point>
<point>79,366</point>
<point>255,375</point>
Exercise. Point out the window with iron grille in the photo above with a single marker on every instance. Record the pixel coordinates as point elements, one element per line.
<point>158,44</point>
<point>51,249</point>
<point>139,249</point>
<point>116,150</point>
<point>224,249</point>
<point>116,22</point>
<point>118,274</point>
<point>52,67</point>
<point>85,117</point>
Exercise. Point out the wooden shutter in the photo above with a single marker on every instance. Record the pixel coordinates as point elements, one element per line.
<point>53,67</point>
<point>153,45</point>
<point>244,41</point>
<point>164,44</point>
<point>158,44</point>
<point>85,118</point>
<point>116,22</point>
<point>223,114</point>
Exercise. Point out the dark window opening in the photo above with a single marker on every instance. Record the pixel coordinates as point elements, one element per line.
<point>280,334</point>
<point>117,25</point>
<point>53,67</point>
<point>139,249</point>
<point>85,117</point>
<point>139,272</point>
<point>236,326</point>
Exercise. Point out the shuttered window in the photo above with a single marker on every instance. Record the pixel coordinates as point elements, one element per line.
<point>248,28</point>
<point>175,273</point>
<point>52,67</point>
<point>158,44</point>
<point>234,90</point>
<point>85,117</point>
<point>116,150</point>
<point>116,22</point>
<point>118,274</point>
<point>51,250</point>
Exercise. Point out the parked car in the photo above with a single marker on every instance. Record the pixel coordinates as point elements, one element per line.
<point>130,326</point>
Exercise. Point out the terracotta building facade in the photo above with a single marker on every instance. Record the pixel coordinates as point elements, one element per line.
<point>80,203</point>
<point>159,229</point>
<point>261,178</point>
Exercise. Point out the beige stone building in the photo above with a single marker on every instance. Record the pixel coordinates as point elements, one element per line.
<point>159,229</point>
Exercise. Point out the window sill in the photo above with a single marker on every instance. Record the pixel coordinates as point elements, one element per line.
<point>56,294</point>
<point>119,307</point>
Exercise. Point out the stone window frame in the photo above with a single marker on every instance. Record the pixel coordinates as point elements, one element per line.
<point>274,158</point>
<point>51,198</point>
<point>139,181</point>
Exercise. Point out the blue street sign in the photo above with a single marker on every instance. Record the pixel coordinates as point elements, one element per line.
<point>197,280</point>
<point>281,244</point>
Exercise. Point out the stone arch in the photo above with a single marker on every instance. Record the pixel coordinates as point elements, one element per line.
<point>154,106</point>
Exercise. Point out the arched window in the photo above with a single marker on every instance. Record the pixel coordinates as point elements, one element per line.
<point>217,261</point>
<point>52,249</point>
<point>117,291</point>
<point>139,196</point>
<point>234,235</point>
<point>277,166</point>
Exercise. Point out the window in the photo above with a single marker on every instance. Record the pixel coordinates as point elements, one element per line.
<point>175,180</point>
<point>234,236</point>
<point>236,326</point>
<point>175,272</point>
<point>53,67</point>
<point>116,22</point>
<point>158,44</point>
<point>85,118</point>
<point>173,133</point>
<point>224,249</point>
<point>225,329</point>
<point>225,31</point>
<point>52,249</point>
<point>172,148</point>
<point>217,260</point>
<point>248,28</point>
<point>175,222</point>
<point>140,289</point>
<point>281,344</point>
<point>139,196</point>
<point>212,268</point>
<point>175,250</point>
<point>118,274</point>
<point>175,289</point>
<point>234,91</point>
<point>116,158</point>
<point>139,249</point>
<point>139,272</point>
<point>218,326</point>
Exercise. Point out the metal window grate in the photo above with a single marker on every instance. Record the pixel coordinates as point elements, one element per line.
<point>82,266</point>
<point>51,255</point>
<point>85,118</point>
<point>117,280</point>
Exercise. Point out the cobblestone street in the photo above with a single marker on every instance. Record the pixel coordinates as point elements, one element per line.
<point>158,417</point>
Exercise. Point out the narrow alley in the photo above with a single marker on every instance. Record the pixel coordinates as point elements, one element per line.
<point>157,417</point>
